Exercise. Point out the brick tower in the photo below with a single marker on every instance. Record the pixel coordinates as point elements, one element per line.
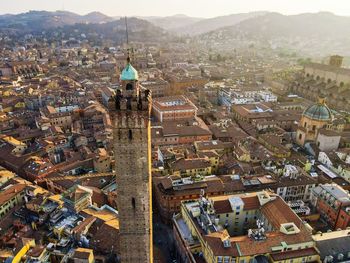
<point>132,153</point>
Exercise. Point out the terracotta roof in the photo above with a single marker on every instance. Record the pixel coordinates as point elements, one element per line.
<point>294,254</point>
<point>251,202</point>
<point>222,206</point>
<point>186,164</point>
<point>11,192</point>
<point>215,242</point>
<point>278,212</point>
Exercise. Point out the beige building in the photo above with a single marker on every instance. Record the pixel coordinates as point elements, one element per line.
<point>327,140</point>
<point>10,197</point>
<point>102,161</point>
<point>329,73</point>
<point>254,227</point>
<point>173,108</point>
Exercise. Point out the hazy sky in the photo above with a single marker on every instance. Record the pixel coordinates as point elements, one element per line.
<point>198,8</point>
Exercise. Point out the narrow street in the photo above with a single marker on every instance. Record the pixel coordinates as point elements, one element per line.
<point>163,239</point>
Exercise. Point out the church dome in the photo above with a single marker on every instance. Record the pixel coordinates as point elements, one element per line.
<point>319,111</point>
<point>129,73</point>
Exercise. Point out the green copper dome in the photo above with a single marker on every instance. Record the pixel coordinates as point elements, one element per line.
<point>129,73</point>
<point>318,111</point>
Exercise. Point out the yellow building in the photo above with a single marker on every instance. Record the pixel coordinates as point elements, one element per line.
<point>192,167</point>
<point>83,255</point>
<point>242,228</point>
<point>313,119</point>
<point>5,175</point>
<point>19,147</point>
<point>10,197</point>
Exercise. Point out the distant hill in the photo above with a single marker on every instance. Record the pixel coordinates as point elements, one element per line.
<point>94,27</point>
<point>96,17</point>
<point>139,30</point>
<point>312,34</point>
<point>210,24</point>
<point>271,25</point>
<point>173,22</point>
<point>41,20</point>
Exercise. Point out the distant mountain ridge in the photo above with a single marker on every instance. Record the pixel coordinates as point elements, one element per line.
<point>41,20</point>
<point>206,25</point>
<point>173,22</point>
<point>270,25</point>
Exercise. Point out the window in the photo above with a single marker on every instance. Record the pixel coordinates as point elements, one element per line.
<point>130,135</point>
<point>129,86</point>
<point>314,127</point>
<point>300,136</point>
<point>128,103</point>
<point>133,203</point>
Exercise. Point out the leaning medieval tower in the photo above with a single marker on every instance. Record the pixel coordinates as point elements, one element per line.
<point>132,153</point>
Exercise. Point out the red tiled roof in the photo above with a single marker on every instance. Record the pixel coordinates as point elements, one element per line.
<point>11,192</point>
<point>294,254</point>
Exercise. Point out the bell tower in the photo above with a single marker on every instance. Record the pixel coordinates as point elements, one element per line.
<point>132,153</point>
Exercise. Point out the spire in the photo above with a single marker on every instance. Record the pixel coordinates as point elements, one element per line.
<point>126,31</point>
<point>128,48</point>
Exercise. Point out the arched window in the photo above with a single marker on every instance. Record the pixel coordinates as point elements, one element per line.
<point>130,135</point>
<point>133,203</point>
<point>129,86</point>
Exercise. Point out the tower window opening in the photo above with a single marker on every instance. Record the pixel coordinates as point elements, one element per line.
<point>129,86</point>
<point>139,104</point>
<point>133,203</point>
<point>118,97</point>
<point>130,135</point>
<point>128,103</point>
<point>147,93</point>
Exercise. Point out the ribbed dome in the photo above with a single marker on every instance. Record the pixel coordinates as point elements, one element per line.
<point>129,73</point>
<point>318,111</point>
